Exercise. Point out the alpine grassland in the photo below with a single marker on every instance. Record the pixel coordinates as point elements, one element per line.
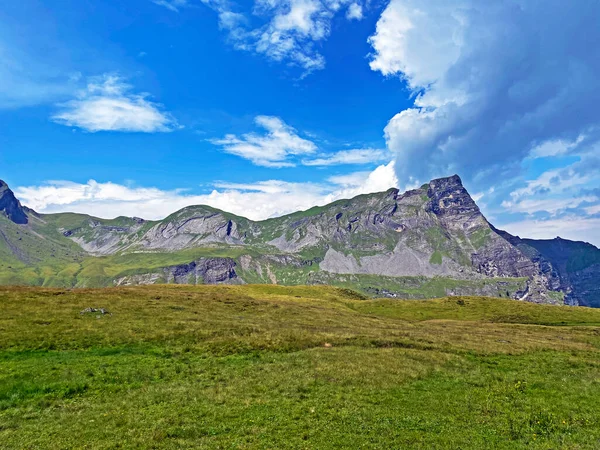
<point>262,366</point>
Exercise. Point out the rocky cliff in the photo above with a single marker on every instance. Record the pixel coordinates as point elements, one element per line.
<point>572,267</point>
<point>201,271</point>
<point>10,206</point>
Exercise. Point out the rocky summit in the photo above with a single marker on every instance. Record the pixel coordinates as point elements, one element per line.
<point>10,206</point>
<point>427,242</point>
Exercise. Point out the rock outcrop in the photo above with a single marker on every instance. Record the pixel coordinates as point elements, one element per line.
<point>570,267</point>
<point>200,271</point>
<point>203,270</point>
<point>10,206</point>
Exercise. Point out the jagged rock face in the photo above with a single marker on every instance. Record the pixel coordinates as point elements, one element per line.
<point>200,271</point>
<point>10,206</point>
<point>575,267</point>
<point>450,198</point>
<point>203,270</point>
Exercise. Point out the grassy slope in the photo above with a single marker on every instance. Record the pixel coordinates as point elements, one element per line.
<point>419,286</point>
<point>293,367</point>
<point>29,255</point>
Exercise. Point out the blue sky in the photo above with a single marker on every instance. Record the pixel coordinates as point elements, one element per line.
<point>265,107</point>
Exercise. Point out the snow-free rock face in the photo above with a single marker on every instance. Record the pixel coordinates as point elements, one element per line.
<point>200,271</point>
<point>191,227</point>
<point>203,270</point>
<point>449,199</point>
<point>572,267</point>
<point>10,206</point>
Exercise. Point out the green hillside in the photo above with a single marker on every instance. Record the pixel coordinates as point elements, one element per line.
<point>262,366</point>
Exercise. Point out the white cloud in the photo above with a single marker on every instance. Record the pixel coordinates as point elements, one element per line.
<point>491,81</point>
<point>420,43</point>
<point>355,156</point>
<point>173,5</point>
<point>256,201</point>
<point>379,180</point>
<point>272,149</point>
<point>556,181</point>
<point>293,28</point>
<point>553,191</point>
<point>592,210</point>
<point>355,11</point>
<point>554,147</point>
<point>477,196</point>
<point>550,205</point>
<point>290,29</point>
<point>570,227</point>
<point>232,21</point>
<point>108,105</point>
<point>350,179</point>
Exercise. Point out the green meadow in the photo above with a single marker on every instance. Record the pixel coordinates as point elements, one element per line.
<point>262,366</point>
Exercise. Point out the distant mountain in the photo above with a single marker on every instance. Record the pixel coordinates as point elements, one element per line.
<point>428,242</point>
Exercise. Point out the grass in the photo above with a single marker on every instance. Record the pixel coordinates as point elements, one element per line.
<point>262,366</point>
<point>420,287</point>
<point>101,271</point>
<point>436,258</point>
<point>480,237</point>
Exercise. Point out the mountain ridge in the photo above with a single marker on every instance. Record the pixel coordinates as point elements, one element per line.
<point>382,243</point>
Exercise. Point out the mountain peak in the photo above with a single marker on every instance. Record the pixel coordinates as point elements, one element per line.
<point>10,206</point>
<point>449,197</point>
<point>445,182</point>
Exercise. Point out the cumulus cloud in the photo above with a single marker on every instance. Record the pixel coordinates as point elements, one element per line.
<point>491,81</point>
<point>354,156</point>
<point>354,12</point>
<point>107,104</point>
<point>293,28</point>
<point>378,180</point>
<point>256,201</point>
<point>270,149</point>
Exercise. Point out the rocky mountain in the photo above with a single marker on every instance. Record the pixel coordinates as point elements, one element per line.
<point>10,206</point>
<point>426,242</point>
